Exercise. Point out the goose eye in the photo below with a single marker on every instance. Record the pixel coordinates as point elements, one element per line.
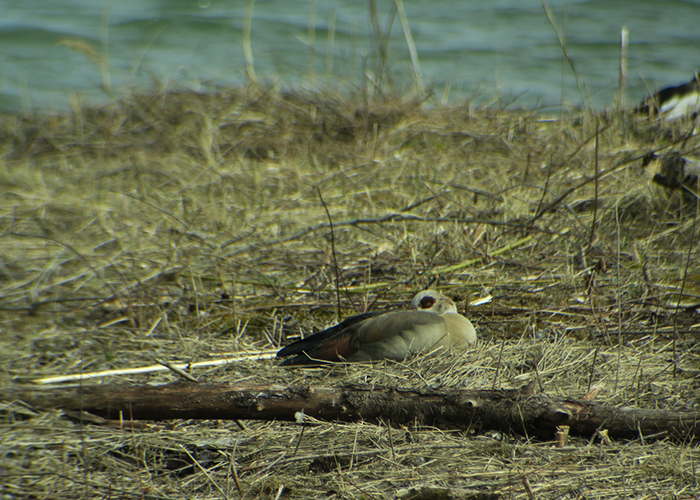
<point>427,302</point>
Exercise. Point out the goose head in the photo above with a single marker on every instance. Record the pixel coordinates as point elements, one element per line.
<point>434,302</point>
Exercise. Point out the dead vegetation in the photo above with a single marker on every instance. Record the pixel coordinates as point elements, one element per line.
<point>187,227</point>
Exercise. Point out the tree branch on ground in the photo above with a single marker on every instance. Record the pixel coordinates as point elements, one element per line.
<point>516,410</point>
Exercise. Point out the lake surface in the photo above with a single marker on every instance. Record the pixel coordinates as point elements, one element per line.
<point>494,50</point>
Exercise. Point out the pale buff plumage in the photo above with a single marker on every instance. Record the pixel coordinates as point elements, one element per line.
<point>431,322</point>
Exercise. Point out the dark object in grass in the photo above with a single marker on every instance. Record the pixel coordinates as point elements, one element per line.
<point>672,172</point>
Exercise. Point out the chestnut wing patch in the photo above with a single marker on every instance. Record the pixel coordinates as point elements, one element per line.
<point>327,345</point>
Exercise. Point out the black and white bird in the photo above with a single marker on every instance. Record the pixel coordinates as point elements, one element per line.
<point>672,103</point>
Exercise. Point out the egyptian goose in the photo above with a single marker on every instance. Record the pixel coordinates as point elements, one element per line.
<point>432,321</point>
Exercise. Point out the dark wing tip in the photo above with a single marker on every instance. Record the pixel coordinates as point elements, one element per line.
<point>332,350</point>
<point>326,345</point>
<point>299,359</point>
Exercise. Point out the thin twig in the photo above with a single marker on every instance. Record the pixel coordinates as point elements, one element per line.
<point>590,375</point>
<point>619,292</point>
<point>595,199</point>
<point>206,472</point>
<point>247,50</point>
<point>564,48</point>
<point>498,365</point>
<point>411,44</point>
<point>691,247</point>
<point>391,445</point>
<point>400,217</point>
<point>335,259</point>
<point>268,354</point>
<point>301,435</point>
<point>580,185</point>
<point>177,370</point>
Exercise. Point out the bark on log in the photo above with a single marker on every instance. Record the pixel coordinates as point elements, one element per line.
<point>517,411</point>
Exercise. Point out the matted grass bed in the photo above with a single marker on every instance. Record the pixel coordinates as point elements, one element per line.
<point>187,227</point>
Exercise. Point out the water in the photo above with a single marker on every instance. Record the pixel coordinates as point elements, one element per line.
<point>494,49</point>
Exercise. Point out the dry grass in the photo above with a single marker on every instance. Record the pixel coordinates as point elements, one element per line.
<point>188,227</point>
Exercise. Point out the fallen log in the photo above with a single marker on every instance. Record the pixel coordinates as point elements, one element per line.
<point>519,411</point>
